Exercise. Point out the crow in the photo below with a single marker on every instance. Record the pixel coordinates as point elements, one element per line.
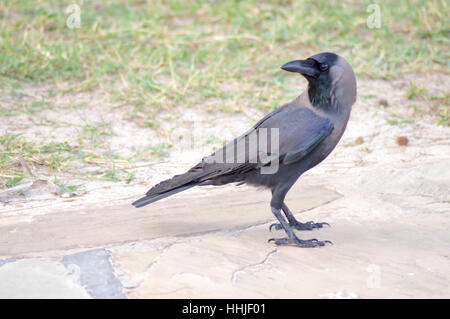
<point>283,145</point>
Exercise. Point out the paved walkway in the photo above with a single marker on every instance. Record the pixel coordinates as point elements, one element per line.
<point>213,244</point>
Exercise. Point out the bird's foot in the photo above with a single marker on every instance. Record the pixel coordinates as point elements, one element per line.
<point>300,226</point>
<point>300,243</point>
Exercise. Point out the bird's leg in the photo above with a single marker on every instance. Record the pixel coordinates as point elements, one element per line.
<point>292,239</point>
<point>276,204</point>
<point>295,223</point>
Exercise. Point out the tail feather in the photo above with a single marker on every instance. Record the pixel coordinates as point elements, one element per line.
<point>148,199</point>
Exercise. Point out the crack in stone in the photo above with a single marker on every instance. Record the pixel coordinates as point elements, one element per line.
<point>257,265</point>
<point>238,230</point>
<point>164,249</point>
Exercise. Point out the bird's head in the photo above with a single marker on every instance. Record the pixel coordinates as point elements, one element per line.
<point>330,79</point>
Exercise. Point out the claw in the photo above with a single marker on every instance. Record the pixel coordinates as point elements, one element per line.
<point>276,225</point>
<point>300,226</point>
<point>320,225</point>
<point>298,242</point>
<point>316,225</point>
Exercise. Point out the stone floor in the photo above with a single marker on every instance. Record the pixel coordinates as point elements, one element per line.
<point>213,244</point>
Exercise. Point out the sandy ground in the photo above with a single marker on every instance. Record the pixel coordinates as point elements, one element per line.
<point>388,206</point>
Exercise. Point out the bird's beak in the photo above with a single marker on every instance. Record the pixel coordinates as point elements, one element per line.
<point>304,67</point>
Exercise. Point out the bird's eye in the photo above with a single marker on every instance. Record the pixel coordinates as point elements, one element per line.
<point>323,67</point>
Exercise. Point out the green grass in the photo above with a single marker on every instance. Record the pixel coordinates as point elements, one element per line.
<point>16,150</point>
<point>68,190</point>
<point>93,134</point>
<point>159,150</point>
<point>159,51</point>
<point>59,159</point>
<point>416,91</point>
<point>444,116</point>
<point>159,54</point>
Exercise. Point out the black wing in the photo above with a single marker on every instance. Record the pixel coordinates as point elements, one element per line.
<point>299,131</point>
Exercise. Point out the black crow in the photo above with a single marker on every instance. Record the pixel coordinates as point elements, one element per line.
<point>283,145</point>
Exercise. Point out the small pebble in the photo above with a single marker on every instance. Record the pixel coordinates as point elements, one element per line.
<point>359,140</point>
<point>383,102</point>
<point>402,140</point>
